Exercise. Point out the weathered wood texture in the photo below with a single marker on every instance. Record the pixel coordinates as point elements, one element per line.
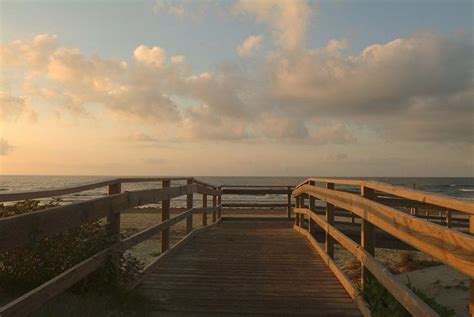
<point>248,267</point>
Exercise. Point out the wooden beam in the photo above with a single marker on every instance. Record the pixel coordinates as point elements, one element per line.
<point>449,246</point>
<point>367,236</point>
<point>417,195</point>
<point>204,214</point>
<point>219,203</point>
<point>341,276</point>
<point>329,241</point>
<point>214,204</point>
<point>189,205</point>
<point>165,215</point>
<point>113,219</point>
<point>471,280</point>
<point>244,191</point>
<point>400,291</point>
<point>288,208</point>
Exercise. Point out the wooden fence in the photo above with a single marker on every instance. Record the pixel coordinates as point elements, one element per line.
<point>259,190</point>
<point>24,229</point>
<point>451,247</point>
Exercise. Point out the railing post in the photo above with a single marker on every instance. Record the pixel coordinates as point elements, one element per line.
<point>449,219</point>
<point>113,219</point>
<point>297,215</point>
<point>219,203</point>
<point>329,241</point>
<point>367,237</point>
<point>312,207</point>
<point>189,205</point>
<point>471,281</point>
<point>204,213</point>
<point>165,215</point>
<point>302,197</point>
<point>214,205</point>
<point>288,209</point>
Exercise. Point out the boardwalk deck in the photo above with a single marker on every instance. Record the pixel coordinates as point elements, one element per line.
<point>247,267</point>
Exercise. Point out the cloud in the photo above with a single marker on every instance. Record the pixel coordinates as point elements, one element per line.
<point>414,89</point>
<point>287,19</point>
<point>249,46</point>
<point>184,8</point>
<point>155,56</point>
<point>142,137</point>
<point>5,147</point>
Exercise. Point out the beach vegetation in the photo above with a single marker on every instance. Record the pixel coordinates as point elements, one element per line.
<point>383,304</point>
<point>27,267</point>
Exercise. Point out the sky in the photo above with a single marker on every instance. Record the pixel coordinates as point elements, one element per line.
<point>237,87</point>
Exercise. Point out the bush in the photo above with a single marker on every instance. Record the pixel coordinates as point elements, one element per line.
<point>24,268</point>
<point>382,303</point>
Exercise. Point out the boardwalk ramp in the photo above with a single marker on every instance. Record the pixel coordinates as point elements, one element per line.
<point>247,267</point>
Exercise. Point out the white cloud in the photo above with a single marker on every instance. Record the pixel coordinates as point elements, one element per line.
<point>249,46</point>
<point>287,18</point>
<point>178,59</point>
<point>155,55</point>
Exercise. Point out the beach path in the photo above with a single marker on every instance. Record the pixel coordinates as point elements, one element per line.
<point>247,267</point>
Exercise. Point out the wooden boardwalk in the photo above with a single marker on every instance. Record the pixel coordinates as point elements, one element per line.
<point>241,267</point>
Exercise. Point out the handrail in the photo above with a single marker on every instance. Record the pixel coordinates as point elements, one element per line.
<point>16,231</point>
<point>454,248</point>
<point>413,194</point>
<point>5,197</point>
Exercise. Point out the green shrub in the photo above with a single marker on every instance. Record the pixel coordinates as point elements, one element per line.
<point>26,267</point>
<point>382,303</point>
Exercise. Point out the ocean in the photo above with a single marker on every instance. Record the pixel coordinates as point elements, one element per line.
<point>462,188</point>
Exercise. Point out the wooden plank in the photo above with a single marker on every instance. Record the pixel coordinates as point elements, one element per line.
<point>421,196</point>
<point>329,241</point>
<point>165,215</point>
<point>200,189</point>
<point>214,204</point>
<point>367,236</point>
<point>113,219</point>
<point>449,246</point>
<point>267,191</point>
<point>237,266</point>
<point>341,276</point>
<point>189,205</point>
<point>4,197</point>
<point>19,230</point>
<point>471,280</point>
<point>288,208</point>
<point>403,294</point>
<point>254,205</point>
<point>204,214</point>
<point>151,266</point>
<point>29,302</point>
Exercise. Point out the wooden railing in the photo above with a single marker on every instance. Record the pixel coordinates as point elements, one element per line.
<point>451,247</point>
<point>259,190</point>
<point>21,230</point>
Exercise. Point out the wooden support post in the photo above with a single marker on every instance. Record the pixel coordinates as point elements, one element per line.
<point>367,235</point>
<point>449,220</point>
<point>312,207</point>
<point>302,198</point>
<point>189,205</point>
<point>214,205</point>
<point>471,281</point>
<point>165,215</point>
<point>329,241</point>
<point>204,214</point>
<point>288,209</point>
<point>113,219</point>
<point>297,216</point>
<point>219,203</point>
